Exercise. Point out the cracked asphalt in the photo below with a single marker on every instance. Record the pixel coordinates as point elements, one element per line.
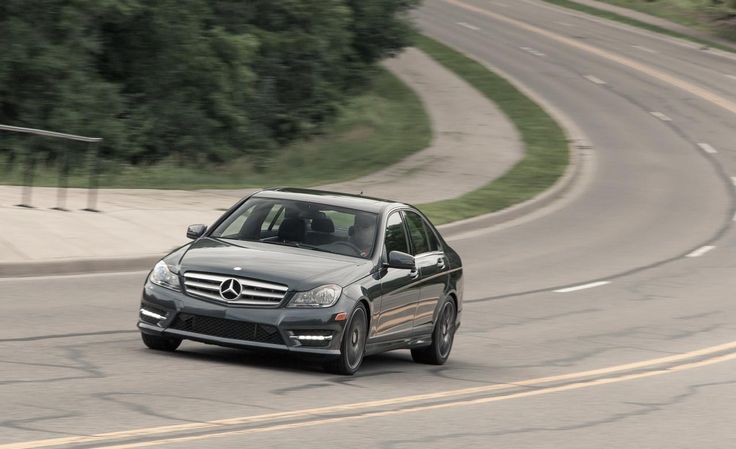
<point>544,357</point>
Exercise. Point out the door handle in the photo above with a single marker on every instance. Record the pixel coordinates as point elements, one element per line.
<point>441,263</point>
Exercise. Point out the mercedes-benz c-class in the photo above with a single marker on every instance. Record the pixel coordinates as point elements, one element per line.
<point>322,274</point>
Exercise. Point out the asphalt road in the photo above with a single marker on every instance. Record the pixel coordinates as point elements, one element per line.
<point>644,358</point>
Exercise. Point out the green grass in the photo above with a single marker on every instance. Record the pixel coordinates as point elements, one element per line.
<point>546,149</point>
<point>684,12</point>
<point>377,128</point>
<point>673,14</point>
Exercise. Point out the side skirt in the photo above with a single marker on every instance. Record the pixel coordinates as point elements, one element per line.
<point>417,341</point>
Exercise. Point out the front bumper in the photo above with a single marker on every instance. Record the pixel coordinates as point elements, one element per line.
<point>307,331</point>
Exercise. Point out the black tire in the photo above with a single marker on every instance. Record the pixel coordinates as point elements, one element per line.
<point>160,343</point>
<point>352,348</point>
<point>442,338</point>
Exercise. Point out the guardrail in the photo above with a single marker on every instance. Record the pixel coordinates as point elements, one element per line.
<point>62,186</point>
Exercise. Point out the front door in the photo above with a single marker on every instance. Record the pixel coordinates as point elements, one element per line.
<point>432,266</point>
<point>399,287</point>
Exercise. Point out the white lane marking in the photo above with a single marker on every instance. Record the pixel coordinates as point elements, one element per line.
<point>634,30</point>
<point>643,48</point>
<point>582,287</point>
<point>707,148</point>
<point>700,251</point>
<point>533,51</point>
<point>661,116</point>
<point>733,77</point>
<point>734,217</point>
<point>468,26</point>
<point>594,79</point>
<point>733,180</point>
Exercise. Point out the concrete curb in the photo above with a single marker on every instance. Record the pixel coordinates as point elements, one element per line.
<point>578,164</point>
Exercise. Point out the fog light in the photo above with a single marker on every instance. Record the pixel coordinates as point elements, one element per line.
<point>150,316</point>
<point>311,337</point>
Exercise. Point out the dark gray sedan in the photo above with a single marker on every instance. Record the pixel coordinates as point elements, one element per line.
<point>317,273</point>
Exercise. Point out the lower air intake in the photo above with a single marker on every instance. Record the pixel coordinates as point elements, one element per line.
<point>233,329</point>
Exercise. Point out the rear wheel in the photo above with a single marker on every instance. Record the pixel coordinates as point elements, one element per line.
<point>160,343</point>
<point>442,338</point>
<point>352,348</point>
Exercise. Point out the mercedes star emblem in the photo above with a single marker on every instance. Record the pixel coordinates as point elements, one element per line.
<point>230,289</point>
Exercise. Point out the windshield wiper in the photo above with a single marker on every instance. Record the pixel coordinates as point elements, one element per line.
<point>317,248</point>
<point>274,242</point>
<point>297,245</point>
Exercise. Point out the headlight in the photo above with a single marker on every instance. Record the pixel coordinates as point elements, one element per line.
<point>324,296</point>
<point>161,275</point>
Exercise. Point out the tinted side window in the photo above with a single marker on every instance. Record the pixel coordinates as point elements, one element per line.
<point>395,235</point>
<point>434,244</point>
<point>417,233</point>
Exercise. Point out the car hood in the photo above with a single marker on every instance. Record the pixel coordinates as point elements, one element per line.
<point>299,268</point>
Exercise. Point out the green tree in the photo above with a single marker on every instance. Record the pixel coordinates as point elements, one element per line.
<point>380,28</point>
<point>48,52</point>
<point>198,80</point>
<point>186,82</point>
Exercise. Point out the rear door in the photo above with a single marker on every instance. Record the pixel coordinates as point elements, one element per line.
<point>399,287</point>
<point>432,266</point>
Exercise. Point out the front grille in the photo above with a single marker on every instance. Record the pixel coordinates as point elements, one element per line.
<point>252,292</point>
<point>219,327</point>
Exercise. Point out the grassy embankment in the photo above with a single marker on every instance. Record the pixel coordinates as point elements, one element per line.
<point>546,149</point>
<point>690,13</point>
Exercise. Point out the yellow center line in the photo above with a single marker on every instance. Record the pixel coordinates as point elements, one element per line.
<point>647,70</point>
<point>424,408</point>
<point>352,407</point>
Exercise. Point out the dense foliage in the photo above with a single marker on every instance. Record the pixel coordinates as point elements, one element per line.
<point>192,79</point>
<point>723,13</point>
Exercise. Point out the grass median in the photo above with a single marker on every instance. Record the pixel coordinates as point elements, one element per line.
<point>379,127</point>
<point>546,148</point>
<point>664,13</point>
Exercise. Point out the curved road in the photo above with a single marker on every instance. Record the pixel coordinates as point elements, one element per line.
<point>604,321</point>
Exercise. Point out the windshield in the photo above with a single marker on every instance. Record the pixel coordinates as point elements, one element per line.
<point>312,226</point>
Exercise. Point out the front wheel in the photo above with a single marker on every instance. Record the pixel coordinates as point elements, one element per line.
<point>160,343</point>
<point>444,334</point>
<point>352,347</point>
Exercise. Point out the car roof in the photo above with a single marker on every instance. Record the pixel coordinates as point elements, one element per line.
<point>360,202</point>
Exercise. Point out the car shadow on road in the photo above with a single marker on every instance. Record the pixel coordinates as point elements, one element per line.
<point>396,362</point>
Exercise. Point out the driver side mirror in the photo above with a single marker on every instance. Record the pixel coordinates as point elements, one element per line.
<point>196,231</point>
<point>397,259</point>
